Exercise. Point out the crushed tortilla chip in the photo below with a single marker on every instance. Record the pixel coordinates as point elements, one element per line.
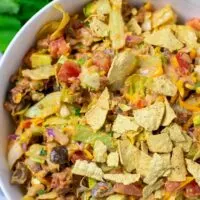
<point>178,172</point>
<point>163,16</point>
<point>142,161</point>
<point>186,35</point>
<point>175,133</point>
<point>169,114</point>
<point>117,197</point>
<point>160,143</point>
<point>164,38</point>
<point>149,189</point>
<point>96,116</point>
<point>113,159</point>
<point>156,169</point>
<point>150,117</point>
<point>100,152</point>
<point>167,159</point>
<point>123,65</point>
<point>83,168</point>
<point>163,85</point>
<point>134,27</point>
<point>194,169</point>
<point>122,124</point>
<point>126,179</point>
<point>186,145</point>
<point>126,153</point>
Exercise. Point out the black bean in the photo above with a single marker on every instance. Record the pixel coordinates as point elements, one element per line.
<point>59,155</point>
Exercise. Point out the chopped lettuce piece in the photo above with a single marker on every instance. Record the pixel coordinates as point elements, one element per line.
<point>39,60</point>
<point>175,133</point>
<point>164,38</point>
<point>87,135</point>
<point>103,7</point>
<point>35,153</point>
<point>89,79</point>
<point>134,27</point>
<point>149,189</point>
<point>150,117</point>
<point>100,152</point>
<point>90,8</point>
<point>126,153</point>
<point>169,115</point>
<point>185,144</point>
<point>116,197</point>
<point>126,179</point>
<point>83,168</point>
<point>163,16</point>
<point>156,169</point>
<point>99,28</point>
<point>186,35</point>
<point>123,65</point>
<point>196,120</point>
<point>96,116</point>
<point>123,124</point>
<point>55,121</point>
<point>163,85</point>
<point>39,73</point>
<point>113,159</point>
<point>135,87</point>
<point>15,152</point>
<point>159,143</point>
<point>194,169</point>
<point>179,171</point>
<point>116,25</point>
<point>49,105</point>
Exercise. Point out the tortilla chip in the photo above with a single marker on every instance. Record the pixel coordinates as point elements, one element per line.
<point>175,133</point>
<point>122,124</point>
<point>144,147</point>
<point>179,171</point>
<point>96,116</point>
<point>123,65</point>
<point>186,35</point>
<point>164,38</point>
<point>194,169</point>
<point>116,197</point>
<point>134,27</point>
<point>113,159</point>
<point>167,159</point>
<point>186,145</point>
<point>156,169</point>
<point>83,168</point>
<point>169,114</point>
<point>150,117</point>
<point>163,16</point>
<point>149,189</point>
<point>100,152</point>
<point>126,179</point>
<point>160,143</point>
<point>142,161</point>
<point>126,153</point>
<point>163,85</point>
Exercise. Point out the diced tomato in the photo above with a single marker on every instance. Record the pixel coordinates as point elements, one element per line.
<point>194,23</point>
<point>68,70</point>
<point>184,65</point>
<point>59,47</point>
<point>78,155</point>
<point>192,190</point>
<point>132,189</point>
<point>141,103</point>
<point>171,186</point>
<point>102,60</point>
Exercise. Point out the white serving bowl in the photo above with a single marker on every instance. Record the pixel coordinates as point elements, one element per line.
<point>20,45</point>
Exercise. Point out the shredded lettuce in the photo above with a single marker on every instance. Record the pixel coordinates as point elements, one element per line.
<point>49,105</point>
<point>100,152</point>
<point>39,60</point>
<point>116,25</point>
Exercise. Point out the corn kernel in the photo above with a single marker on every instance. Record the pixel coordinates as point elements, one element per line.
<point>88,154</point>
<point>174,62</point>
<point>189,86</point>
<point>193,53</point>
<point>17,98</point>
